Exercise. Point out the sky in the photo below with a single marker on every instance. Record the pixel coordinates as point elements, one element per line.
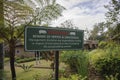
<point>83,13</point>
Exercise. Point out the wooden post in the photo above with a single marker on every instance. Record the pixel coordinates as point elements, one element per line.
<point>57,65</point>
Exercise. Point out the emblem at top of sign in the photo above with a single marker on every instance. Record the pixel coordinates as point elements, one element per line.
<point>72,33</point>
<point>42,32</point>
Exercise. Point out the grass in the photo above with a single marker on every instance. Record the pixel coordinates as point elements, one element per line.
<point>6,59</point>
<point>22,75</point>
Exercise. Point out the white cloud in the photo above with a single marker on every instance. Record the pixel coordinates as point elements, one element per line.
<point>84,13</point>
<point>87,21</point>
<point>69,3</point>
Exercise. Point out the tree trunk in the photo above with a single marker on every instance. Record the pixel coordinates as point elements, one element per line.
<point>12,58</point>
<point>1,62</point>
<point>1,45</point>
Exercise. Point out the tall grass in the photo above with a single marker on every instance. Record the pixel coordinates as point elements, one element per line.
<point>77,61</point>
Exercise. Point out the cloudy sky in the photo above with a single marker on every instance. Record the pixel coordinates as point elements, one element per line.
<point>83,13</point>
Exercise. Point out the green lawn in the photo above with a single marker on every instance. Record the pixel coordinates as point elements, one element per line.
<point>43,73</point>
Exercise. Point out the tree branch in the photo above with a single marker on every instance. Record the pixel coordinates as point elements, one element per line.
<point>25,26</point>
<point>2,35</point>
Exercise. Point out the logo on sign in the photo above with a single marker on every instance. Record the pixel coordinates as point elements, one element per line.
<point>42,32</point>
<point>72,33</point>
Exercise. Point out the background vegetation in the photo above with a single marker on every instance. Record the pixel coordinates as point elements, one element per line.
<point>102,63</point>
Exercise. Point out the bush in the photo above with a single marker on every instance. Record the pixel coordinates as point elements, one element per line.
<point>109,50</point>
<point>26,67</point>
<point>108,66</point>
<point>111,77</point>
<point>96,54</point>
<point>102,44</point>
<point>106,59</point>
<point>24,60</point>
<point>74,77</point>
<point>77,61</point>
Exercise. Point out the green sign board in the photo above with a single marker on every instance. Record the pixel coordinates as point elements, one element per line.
<point>48,38</point>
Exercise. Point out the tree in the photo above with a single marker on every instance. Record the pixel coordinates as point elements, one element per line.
<point>98,32</point>
<point>113,14</point>
<point>113,19</point>
<point>1,16</point>
<point>68,24</point>
<point>46,11</point>
<point>16,16</point>
<point>1,44</point>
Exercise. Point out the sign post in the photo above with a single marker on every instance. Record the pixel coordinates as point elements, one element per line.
<point>57,65</point>
<point>53,39</point>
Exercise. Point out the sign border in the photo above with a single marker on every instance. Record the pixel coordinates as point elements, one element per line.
<point>55,28</point>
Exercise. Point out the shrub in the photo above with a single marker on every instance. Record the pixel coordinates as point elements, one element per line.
<point>108,66</point>
<point>108,44</point>
<point>24,60</point>
<point>111,77</point>
<point>96,54</point>
<point>77,61</point>
<point>74,77</point>
<point>26,67</point>
<point>110,50</point>
<point>102,44</point>
<point>62,72</point>
<point>106,59</point>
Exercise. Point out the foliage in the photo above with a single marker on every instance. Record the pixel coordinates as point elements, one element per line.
<point>106,59</point>
<point>111,77</point>
<point>21,75</point>
<point>108,66</point>
<point>37,76</point>
<point>45,11</point>
<point>74,77</point>
<point>112,49</point>
<point>68,24</point>
<point>113,11</point>
<point>16,16</point>
<point>110,29</point>
<point>24,60</point>
<point>48,55</point>
<point>98,32</point>
<point>77,61</point>
<point>26,67</point>
<point>51,76</point>
<point>62,72</point>
<point>95,55</point>
<point>113,19</point>
<point>102,44</point>
<point>105,50</point>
